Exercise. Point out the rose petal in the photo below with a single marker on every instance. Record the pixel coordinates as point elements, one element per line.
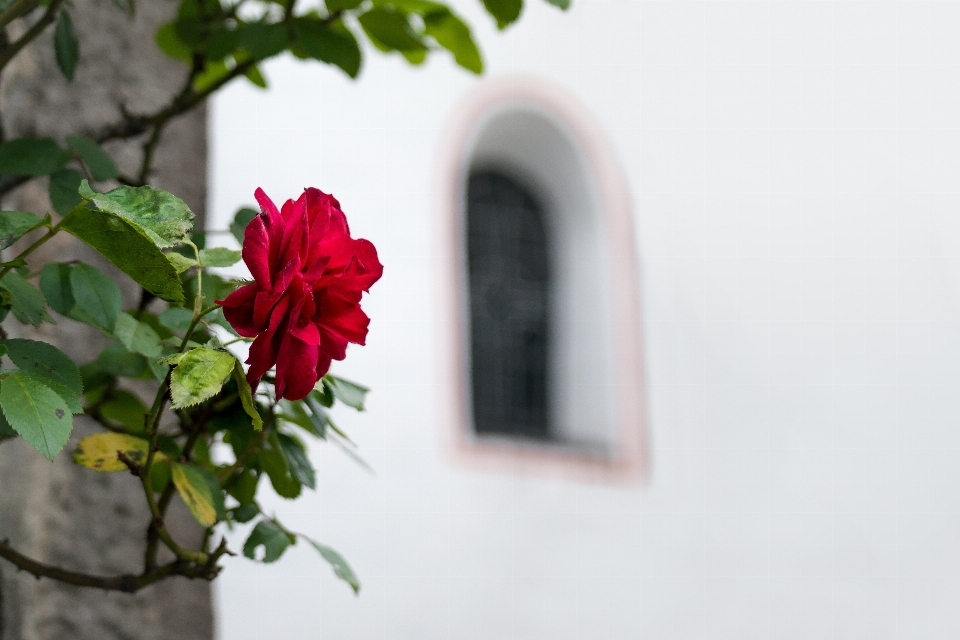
<point>256,251</point>
<point>296,368</point>
<point>238,310</point>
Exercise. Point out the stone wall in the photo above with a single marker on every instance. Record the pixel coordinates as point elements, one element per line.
<point>60,513</point>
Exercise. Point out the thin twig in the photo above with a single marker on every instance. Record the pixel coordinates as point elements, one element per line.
<point>14,48</point>
<point>17,9</point>
<point>128,583</point>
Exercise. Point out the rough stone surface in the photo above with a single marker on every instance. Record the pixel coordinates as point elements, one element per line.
<point>60,513</point>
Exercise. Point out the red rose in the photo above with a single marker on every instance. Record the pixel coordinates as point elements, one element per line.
<point>303,306</point>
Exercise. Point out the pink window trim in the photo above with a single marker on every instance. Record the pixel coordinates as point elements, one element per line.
<point>628,461</point>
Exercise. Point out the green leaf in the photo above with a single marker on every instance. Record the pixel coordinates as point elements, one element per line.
<point>160,474</point>
<point>323,393</point>
<point>271,537</point>
<point>36,412</point>
<point>246,395</point>
<point>220,43</point>
<point>177,320</point>
<point>219,257</point>
<point>163,216</point>
<point>181,262</point>
<point>116,360</point>
<point>216,317</point>
<point>199,375</point>
<point>563,4</point>
<point>32,157</point>
<point>453,34</point>
<point>340,566</point>
<point>262,40</point>
<point>244,513</point>
<point>297,460</point>
<point>313,421</point>
<point>391,29</point>
<point>44,360</point>
<point>98,161</point>
<point>96,295</point>
<point>136,336</point>
<point>342,5</point>
<point>71,397</point>
<point>63,190</point>
<point>6,431</point>
<point>334,44</point>
<point>240,222</point>
<point>65,45</point>
<point>245,487</point>
<point>55,285</point>
<point>349,393</point>
<point>171,44</point>
<point>254,75</point>
<point>274,463</point>
<point>415,57</point>
<point>129,248</point>
<point>28,304</point>
<point>196,492</point>
<point>318,415</point>
<point>100,451</point>
<point>125,408</point>
<point>505,11</point>
<point>14,224</point>
<point>154,322</point>
<point>214,72</point>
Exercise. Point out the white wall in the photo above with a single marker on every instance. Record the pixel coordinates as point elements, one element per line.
<point>795,174</point>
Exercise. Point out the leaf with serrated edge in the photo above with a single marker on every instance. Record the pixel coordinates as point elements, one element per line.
<point>44,360</point>
<point>98,161</point>
<point>128,247</point>
<point>271,537</point>
<point>68,395</point>
<point>97,296</point>
<point>36,412</point>
<point>297,460</point>
<point>137,336</point>
<point>199,375</point>
<point>100,451</point>
<point>32,157</point>
<point>340,566</point>
<point>180,262</point>
<point>13,224</point>
<point>219,257</point>
<point>163,216</point>
<point>196,493</point>
<point>28,304</point>
<point>349,393</point>
<point>246,395</point>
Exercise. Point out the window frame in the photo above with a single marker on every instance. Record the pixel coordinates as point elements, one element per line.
<point>626,460</point>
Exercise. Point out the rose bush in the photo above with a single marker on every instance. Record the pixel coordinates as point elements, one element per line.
<point>303,305</point>
<point>175,342</point>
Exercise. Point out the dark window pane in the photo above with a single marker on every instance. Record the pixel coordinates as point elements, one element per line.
<point>509,282</point>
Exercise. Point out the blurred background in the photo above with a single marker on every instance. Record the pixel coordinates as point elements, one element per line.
<point>782,465</point>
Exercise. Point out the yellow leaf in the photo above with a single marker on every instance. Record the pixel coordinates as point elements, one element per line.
<point>100,451</point>
<point>196,493</point>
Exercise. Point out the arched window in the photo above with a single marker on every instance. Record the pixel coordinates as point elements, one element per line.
<point>545,335</point>
<point>509,282</point>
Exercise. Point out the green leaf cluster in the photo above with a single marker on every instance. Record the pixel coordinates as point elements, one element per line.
<point>226,43</point>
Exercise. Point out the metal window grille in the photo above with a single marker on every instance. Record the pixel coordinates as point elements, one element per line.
<point>509,280</point>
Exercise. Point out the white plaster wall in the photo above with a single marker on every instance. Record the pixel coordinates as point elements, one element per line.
<point>794,169</point>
